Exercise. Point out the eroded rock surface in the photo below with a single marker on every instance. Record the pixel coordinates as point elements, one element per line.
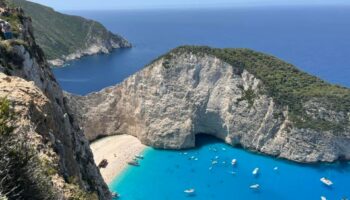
<point>170,101</point>
<point>41,113</point>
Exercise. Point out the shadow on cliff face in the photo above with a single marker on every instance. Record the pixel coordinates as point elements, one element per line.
<point>203,139</point>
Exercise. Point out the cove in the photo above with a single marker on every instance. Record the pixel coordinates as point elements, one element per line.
<point>307,37</point>
<point>166,174</point>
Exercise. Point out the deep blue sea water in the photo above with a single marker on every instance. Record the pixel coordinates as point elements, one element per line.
<point>316,39</point>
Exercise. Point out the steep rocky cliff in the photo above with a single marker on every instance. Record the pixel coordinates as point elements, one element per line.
<point>245,98</point>
<point>65,37</point>
<point>41,115</point>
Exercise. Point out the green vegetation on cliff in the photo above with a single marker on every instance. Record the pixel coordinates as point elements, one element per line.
<point>21,174</point>
<point>24,173</point>
<point>29,165</point>
<point>5,117</point>
<point>289,86</point>
<point>60,35</point>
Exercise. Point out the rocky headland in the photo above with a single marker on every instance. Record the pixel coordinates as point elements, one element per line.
<point>246,98</point>
<point>65,37</point>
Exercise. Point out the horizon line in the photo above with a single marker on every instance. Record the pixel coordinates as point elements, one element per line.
<point>210,7</point>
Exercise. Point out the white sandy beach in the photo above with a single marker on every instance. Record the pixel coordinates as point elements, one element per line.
<point>118,150</point>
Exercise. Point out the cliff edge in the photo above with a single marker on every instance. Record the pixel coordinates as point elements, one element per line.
<point>45,155</point>
<point>246,98</point>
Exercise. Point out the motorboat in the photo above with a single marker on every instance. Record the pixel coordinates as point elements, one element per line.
<point>115,195</point>
<point>254,187</point>
<point>139,156</point>
<point>233,162</point>
<point>134,163</point>
<point>326,181</point>
<point>190,191</point>
<point>255,171</point>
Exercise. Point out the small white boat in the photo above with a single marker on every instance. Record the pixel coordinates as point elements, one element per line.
<point>233,173</point>
<point>134,163</point>
<point>275,168</point>
<point>190,191</point>
<point>139,156</point>
<point>115,195</point>
<point>214,162</point>
<point>326,181</point>
<point>255,171</point>
<point>254,187</point>
<point>323,198</point>
<point>233,162</point>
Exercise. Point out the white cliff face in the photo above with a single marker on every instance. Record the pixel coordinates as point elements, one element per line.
<point>166,105</point>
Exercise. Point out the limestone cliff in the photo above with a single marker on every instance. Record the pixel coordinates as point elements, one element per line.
<point>228,94</point>
<point>41,114</point>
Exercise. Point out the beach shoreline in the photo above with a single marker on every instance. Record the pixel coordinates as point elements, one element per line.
<point>118,150</point>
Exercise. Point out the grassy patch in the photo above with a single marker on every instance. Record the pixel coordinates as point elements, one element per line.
<point>6,116</point>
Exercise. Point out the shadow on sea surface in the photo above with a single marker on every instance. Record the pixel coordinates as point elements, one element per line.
<point>203,140</point>
<point>207,168</point>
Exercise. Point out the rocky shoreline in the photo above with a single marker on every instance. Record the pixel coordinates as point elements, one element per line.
<point>97,48</point>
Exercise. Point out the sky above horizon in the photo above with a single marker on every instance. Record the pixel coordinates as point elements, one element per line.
<point>156,4</point>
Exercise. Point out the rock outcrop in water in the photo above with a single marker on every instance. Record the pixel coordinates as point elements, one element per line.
<point>245,98</point>
<point>56,146</point>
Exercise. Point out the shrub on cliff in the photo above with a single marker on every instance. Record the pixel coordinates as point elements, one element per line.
<point>21,173</point>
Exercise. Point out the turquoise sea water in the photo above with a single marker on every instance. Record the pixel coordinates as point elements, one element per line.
<point>164,175</point>
<point>316,39</point>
